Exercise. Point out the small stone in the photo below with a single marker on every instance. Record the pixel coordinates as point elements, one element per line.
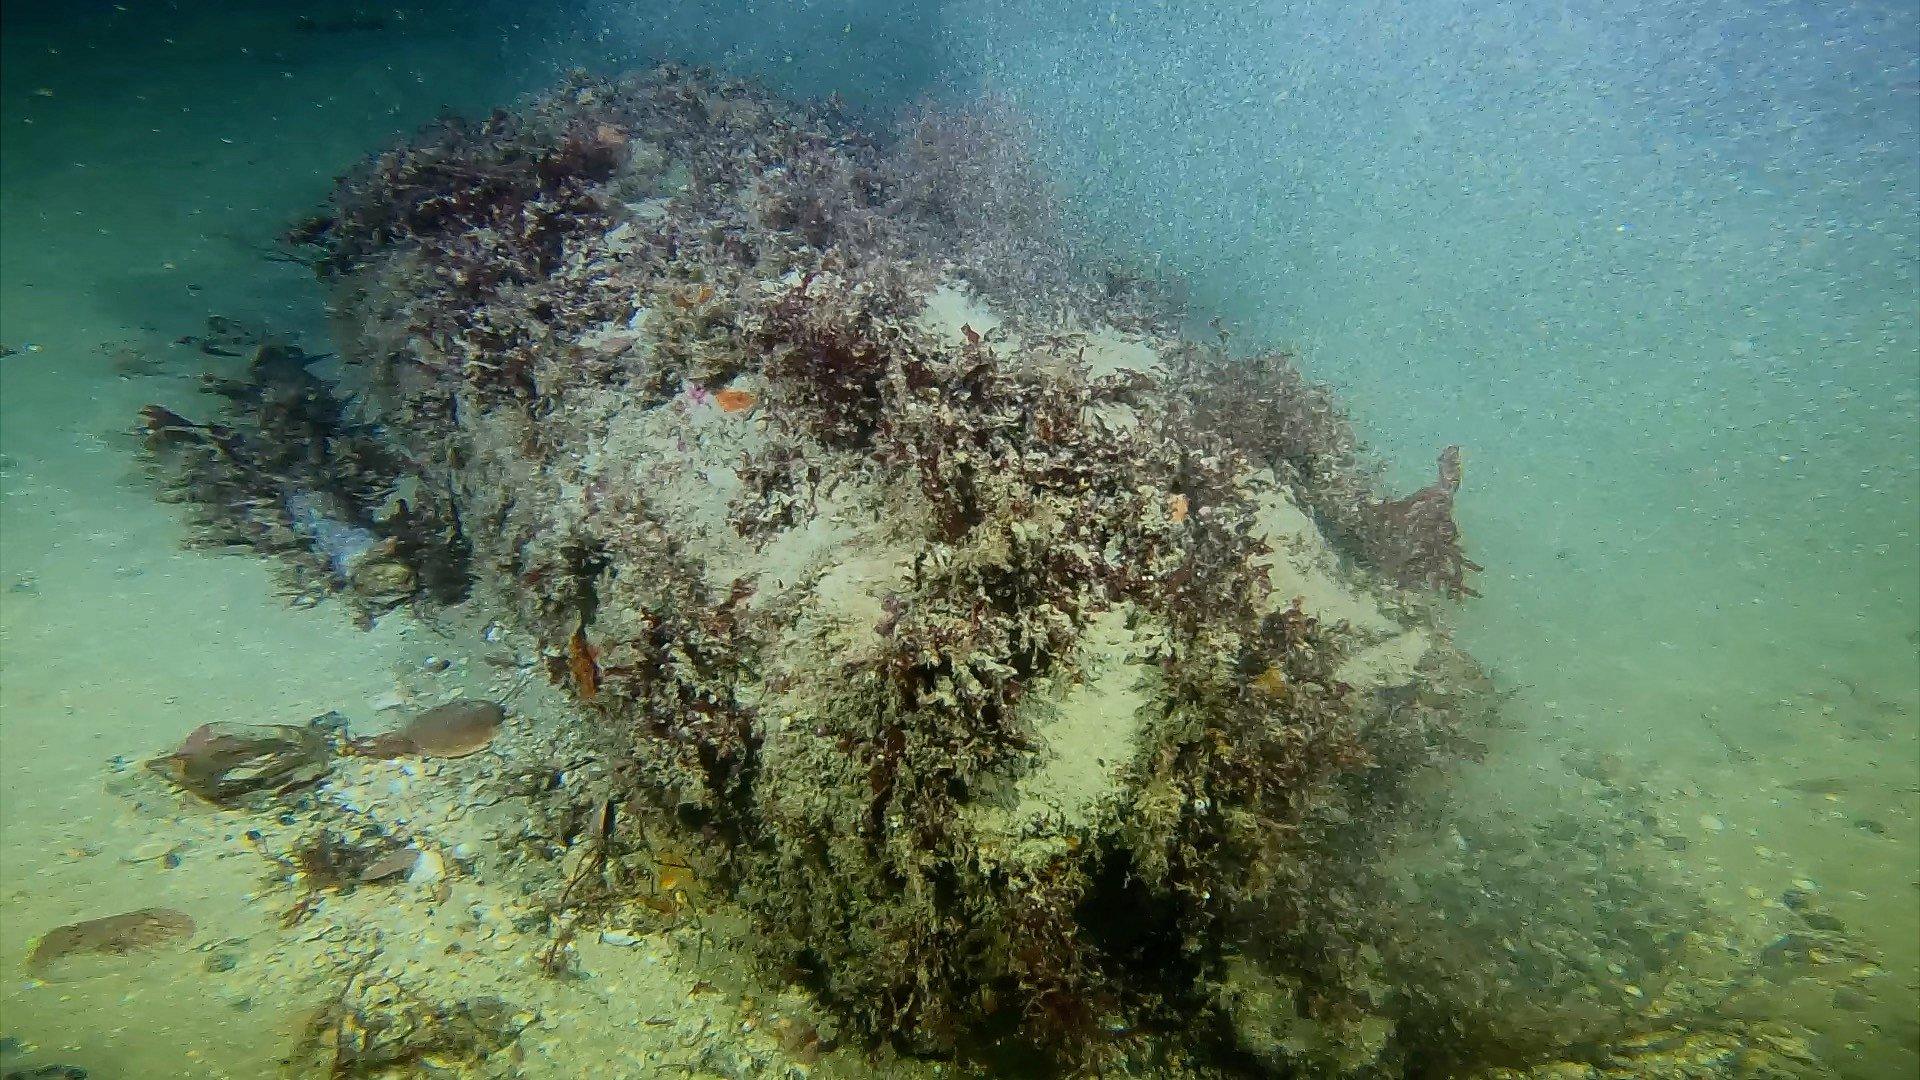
<point>1823,921</point>
<point>615,937</point>
<point>427,869</point>
<point>1712,823</point>
<point>383,577</point>
<point>332,722</point>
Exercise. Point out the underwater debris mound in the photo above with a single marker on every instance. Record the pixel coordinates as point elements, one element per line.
<point>972,630</point>
<point>295,476</point>
<point>927,595</point>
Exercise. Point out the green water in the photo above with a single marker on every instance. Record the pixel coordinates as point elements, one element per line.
<point>1661,289</point>
<point>1655,269</point>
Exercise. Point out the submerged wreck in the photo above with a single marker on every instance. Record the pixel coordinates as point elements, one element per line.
<point>1031,674</point>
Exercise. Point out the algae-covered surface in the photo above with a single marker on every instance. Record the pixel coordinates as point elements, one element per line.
<point>1729,893</point>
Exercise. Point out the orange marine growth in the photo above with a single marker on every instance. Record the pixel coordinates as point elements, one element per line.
<point>1177,508</point>
<point>581,661</point>
<point>735,400</point>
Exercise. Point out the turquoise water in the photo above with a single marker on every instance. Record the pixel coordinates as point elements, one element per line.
<point>1655,267</point>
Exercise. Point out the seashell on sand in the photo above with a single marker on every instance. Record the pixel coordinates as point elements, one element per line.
<point>455,729</point>
<point>114,935</point>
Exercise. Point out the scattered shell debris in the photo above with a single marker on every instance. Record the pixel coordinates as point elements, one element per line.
<point>408,901</point>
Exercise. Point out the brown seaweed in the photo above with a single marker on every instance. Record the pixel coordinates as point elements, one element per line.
<point>1415,542</point>
<point>379,1027</point>
<point>797,259</point>
<point>293,476</point>
<point>228,763</point>
<point>330,861</point>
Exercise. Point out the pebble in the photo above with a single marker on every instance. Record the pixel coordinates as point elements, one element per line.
<point>1711,823</point>
<point>1820,920</point>
<point>615,937</point>
<point>330,723</point>
<point>427,869</point>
